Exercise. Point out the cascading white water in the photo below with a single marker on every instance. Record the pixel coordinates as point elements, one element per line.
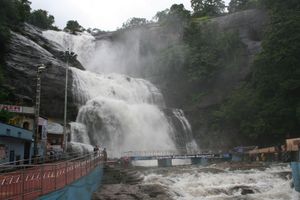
<point>121,113</point>
<point>82,44</point>
<point>116,111</point>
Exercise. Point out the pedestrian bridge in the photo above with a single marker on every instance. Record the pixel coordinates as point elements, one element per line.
<point>171,158</point>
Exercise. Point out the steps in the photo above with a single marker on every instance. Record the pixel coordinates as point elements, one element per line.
<point>117,174</point>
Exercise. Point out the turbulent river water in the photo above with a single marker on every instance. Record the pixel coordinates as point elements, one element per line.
<point>211,183</point>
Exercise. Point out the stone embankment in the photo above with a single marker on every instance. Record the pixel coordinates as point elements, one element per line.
<point>127,183</point>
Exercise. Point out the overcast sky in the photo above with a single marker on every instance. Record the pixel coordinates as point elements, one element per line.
<point>103,14</point>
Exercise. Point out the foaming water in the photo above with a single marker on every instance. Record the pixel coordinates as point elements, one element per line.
<point>82,44</point>
<point>121,113</point>
<point>88,85</point>
<point>195,183</point>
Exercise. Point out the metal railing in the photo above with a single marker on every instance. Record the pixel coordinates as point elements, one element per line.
<point>28,182</point>
<point>47,159</point>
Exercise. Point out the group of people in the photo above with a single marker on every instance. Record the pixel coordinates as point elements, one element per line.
<point>96,150</point>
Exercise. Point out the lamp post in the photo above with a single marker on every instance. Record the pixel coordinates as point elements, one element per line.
<point>66,102</point>
<point>68,55</point>
<point>40,69</point>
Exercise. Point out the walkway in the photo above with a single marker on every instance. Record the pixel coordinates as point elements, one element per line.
<point>31,181</point>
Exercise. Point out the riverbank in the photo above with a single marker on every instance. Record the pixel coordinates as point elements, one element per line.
<point>125,184</point>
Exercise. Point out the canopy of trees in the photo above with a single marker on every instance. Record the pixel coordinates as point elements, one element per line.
<point>73,26</point>
<point>208,7</point>
<point>238,5</point>
<point>134,22</point>
<point>41,19</point>
<point>267,107</point>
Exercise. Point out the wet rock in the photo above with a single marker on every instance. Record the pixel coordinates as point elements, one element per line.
<point>131,192</point>
<point>28,49</point>
<point>244,190</point>
<point>126,184</point>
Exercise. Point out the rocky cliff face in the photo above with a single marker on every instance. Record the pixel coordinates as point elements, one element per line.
<point>250,25</point>
<point>29,49</point>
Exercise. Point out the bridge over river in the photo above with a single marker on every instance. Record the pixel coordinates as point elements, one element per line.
<point>171,158</point>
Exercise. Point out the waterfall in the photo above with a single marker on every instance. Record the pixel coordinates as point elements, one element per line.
<point>82,44</point>
<point>119,112</point>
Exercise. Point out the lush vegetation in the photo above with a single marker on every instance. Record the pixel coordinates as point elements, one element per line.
<point>238,5</point>
<point>42,19</point>
<point>266,107</point>
<point>208,7</point>
<point>73,26</point>
<point>134,22</point>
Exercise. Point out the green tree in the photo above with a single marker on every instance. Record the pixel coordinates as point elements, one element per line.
<point>175,19</point>
<point>41,19</point>
<point>176,14</point>
<point>238,5</point>
<point>73,26</point>
<point>23,7</point>
<point>210,48</point>
<point>267,106</point>
<point>134,22</point>
<point>207,7</point>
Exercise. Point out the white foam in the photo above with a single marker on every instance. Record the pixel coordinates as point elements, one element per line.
<point>192,184</point>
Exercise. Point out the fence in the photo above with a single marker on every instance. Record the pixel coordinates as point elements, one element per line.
<point>28,182</point>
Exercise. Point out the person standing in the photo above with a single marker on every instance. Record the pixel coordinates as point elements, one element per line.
<point>104,155</point>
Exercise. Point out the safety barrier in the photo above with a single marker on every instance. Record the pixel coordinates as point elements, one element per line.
<point>28,182</point>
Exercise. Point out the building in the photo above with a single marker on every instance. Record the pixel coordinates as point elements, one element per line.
<point>55,136</point>
<point>15,144</point>
<point>16,138</point>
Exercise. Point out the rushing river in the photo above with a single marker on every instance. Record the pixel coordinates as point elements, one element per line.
<point>210,183</point>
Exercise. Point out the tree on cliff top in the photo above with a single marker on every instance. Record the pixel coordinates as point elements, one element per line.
<point>208,7</point>
<point>134,22</point>
<point>73,26</point>
<point>238,5</point>
<point>177,13</point>
<point>41,19</point>
<point>176,18</point>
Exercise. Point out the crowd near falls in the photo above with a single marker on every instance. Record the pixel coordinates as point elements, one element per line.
<point>116,111</point>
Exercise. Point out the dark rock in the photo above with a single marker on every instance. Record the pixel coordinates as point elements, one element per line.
<point>243,189</point>
<point>28,50</point>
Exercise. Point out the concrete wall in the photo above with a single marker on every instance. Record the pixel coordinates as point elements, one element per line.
<point>296,175</point>
<point>12,144</point>
<point>81,189</point>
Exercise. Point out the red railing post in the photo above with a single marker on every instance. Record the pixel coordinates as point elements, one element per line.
<point>91,158</point>
<point>66,173</point>
<point>80,168</point>
<point>55,176</point>
<point>42,178</point>
<point>23,182</point>
<point>85,166</point>
<point>73,171</point>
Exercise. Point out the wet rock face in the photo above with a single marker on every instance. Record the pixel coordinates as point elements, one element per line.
<point>126,184</point>
<point>27,51</point>
<point>132,192</point>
